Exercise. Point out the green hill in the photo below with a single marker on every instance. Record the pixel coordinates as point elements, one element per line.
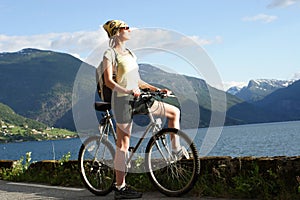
<point>8,116</point>
<point>16,128</point>
<point>38,84</point>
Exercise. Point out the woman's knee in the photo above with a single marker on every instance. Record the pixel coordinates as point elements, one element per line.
<point>176,112</point>
<point>124,129</point>
<point>173,112</point>
<point>123,137</point>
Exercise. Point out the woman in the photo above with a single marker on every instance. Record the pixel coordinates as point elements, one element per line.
<point>126,86</point>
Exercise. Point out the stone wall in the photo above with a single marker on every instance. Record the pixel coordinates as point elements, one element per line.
<point>287,166</point>
<point>282,172</point>
<point>285,170</point>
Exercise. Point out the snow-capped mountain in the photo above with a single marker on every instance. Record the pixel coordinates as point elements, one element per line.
<point>234,90</point>
<point>258,89</point>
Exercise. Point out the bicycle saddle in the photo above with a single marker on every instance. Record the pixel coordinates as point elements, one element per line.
<point>102,106</point>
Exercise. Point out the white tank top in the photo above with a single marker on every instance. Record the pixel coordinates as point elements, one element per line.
<point>127,71</point>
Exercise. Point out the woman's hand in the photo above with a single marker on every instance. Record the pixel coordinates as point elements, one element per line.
<point>136,92</point>
<point>168,92</point>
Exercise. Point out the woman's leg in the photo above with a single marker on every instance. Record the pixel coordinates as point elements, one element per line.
<point>123,142</point>
<point>173,115</point>
<point>171,112</point>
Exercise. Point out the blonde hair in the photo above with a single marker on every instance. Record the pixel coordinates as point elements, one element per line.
<point>112,41</point>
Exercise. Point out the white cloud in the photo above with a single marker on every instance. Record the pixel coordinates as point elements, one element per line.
<point>261,17</point>
<point>296,76</point>
<point>166,38</point>
<point>202,41</point>
<point>83,44</point>
<point>78,44</point>
<point>282,3</point>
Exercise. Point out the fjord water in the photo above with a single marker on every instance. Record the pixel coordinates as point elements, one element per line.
<point>259,140</point>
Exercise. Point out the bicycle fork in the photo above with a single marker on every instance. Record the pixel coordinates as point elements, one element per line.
<point>164,149</point>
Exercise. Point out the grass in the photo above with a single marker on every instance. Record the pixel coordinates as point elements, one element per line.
<point>251,181</point>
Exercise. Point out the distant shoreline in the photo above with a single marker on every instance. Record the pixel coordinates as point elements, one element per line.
<point>25,139</point>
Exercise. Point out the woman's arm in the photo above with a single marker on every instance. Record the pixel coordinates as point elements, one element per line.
<point>144,85</point>
<point>109,81</point>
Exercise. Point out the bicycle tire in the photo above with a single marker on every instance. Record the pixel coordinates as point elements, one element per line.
<point>97,171</point>
<point>172,176</point>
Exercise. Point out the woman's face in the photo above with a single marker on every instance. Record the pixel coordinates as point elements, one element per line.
<point>124,33</point>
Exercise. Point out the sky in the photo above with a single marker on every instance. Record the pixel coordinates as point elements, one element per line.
<point>245,39</point>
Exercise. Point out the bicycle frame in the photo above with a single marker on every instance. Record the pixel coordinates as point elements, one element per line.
<point>97,155</point>
<point>107,121</point>
<point>151,126</point>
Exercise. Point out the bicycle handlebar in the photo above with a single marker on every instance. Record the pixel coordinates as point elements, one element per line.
<point>148,94</point>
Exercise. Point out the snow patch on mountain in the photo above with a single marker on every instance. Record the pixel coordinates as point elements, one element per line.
<point>233,85</point>
<point>235,89</point>
<point>266,84</point>
<point>259,88</point>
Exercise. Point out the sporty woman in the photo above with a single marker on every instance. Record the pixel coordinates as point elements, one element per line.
<point>126,86</point>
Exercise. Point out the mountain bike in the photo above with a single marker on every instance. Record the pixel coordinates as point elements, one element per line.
<point>172,174</point>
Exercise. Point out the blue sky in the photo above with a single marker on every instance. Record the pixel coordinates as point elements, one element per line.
<point>246,39</point>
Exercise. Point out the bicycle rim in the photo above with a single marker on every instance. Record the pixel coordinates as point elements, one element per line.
<point>96,161</point>
<point>173,175</point>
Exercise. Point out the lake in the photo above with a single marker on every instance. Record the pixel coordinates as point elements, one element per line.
<point>270,139</point>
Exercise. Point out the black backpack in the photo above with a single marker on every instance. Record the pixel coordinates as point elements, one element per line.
<point>105,92</point>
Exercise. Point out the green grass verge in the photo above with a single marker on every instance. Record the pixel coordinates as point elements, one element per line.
<point>252,183</point>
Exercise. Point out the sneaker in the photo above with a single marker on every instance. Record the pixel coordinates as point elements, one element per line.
<point>182,153</point>
<point>127,193</point>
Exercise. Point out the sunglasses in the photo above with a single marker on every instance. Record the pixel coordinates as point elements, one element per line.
<point>124,28</point>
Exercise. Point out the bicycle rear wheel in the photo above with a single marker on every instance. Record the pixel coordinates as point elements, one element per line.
<point>173,174</point>
<point>96,165</point>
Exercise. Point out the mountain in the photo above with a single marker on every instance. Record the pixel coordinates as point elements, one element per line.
<point>38,84</point>
<point>238,111</point>
<point>194,94</point>
<point>284,101</point>
<point>234,90</point>
<point>258,89</point>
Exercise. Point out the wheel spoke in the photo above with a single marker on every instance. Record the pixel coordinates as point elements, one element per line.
<point>173,174</point>
<point>96,165</point>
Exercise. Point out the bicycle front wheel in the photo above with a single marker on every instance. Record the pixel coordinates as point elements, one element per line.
<point>174,173</point>
<point>96,165</point>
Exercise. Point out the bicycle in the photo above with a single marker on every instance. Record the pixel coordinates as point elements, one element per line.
<point>171,174</point>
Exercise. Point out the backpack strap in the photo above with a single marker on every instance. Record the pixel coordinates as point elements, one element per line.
<point>114,56</point>
<point>114,63</point>
<point>131,53</point>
